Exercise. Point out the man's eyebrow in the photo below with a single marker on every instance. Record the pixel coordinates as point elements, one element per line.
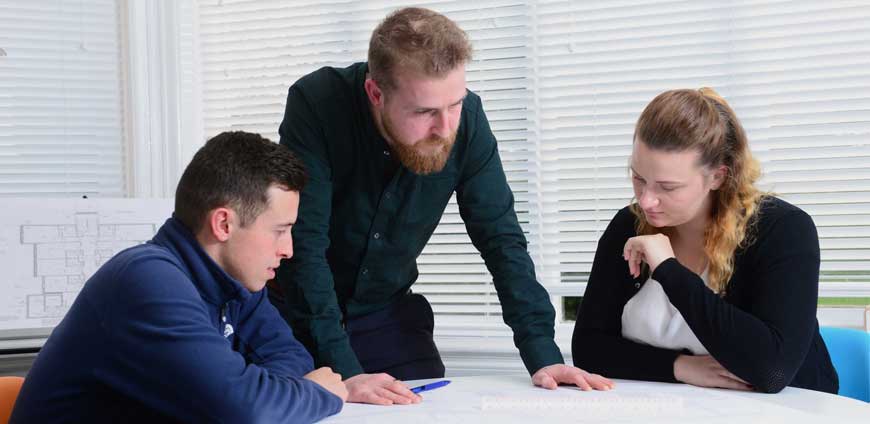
<point>428,108</point>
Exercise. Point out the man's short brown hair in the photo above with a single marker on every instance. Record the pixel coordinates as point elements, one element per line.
<point>235,169</point>
<point>418,40</point>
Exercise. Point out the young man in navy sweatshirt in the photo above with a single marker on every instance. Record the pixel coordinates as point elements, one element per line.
<point>180,329</point>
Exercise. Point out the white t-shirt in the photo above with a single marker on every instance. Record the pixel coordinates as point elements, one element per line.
<point>650,318</point>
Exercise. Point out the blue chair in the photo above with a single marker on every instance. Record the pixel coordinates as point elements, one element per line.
<point>850,353</point>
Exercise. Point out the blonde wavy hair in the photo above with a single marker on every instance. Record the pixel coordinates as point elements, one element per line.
<point>680,120</point>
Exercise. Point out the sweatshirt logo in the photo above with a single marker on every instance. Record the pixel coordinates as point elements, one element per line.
<point>228,328</point>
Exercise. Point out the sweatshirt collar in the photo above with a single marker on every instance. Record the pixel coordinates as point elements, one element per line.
<point>213,283</point>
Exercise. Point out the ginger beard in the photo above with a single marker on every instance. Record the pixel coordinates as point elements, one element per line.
<point>423,157</point>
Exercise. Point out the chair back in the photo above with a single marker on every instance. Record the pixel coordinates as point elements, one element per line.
<point>850,353</point>
<point>9,388</point>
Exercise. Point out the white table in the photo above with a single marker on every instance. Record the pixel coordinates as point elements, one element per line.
<point>513,399</point>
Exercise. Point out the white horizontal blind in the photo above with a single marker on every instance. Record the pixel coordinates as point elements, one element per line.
<point>60,99</point>
<point>452,274</point>
<point>252,51</point>
<point>796,72</point>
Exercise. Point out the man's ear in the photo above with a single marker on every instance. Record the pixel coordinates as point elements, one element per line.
<point>374,92</point>
<point>220,222</point>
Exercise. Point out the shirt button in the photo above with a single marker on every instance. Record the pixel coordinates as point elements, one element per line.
<point>377,236</point>
<point>386,152</point>
<point>637,285</point>
<point>365,271</point>
<point>387,195</point>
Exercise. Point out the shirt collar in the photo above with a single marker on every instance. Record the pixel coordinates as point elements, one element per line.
<point>365,107</point>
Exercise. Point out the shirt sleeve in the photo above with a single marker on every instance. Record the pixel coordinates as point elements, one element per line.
<point>486,205</point>
<point>780,321</point>
<point>311,306</point>
<point>169,356</point>
<point>270,340</point>
<point>597,344</point>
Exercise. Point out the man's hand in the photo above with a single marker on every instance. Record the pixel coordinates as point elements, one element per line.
<point>652,249</point>
<point>704,371</point>
<point>379,389</point>
<point>329,381</point>
<point>551,376</point>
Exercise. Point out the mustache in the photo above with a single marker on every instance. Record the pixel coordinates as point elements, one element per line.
<point>434,141</point>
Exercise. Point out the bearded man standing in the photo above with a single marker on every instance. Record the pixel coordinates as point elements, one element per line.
<point>386,143</point>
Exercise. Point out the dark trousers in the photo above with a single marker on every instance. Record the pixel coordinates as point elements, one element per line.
<point>397,340</point>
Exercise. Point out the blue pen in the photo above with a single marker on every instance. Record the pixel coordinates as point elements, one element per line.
<point>430,386</point>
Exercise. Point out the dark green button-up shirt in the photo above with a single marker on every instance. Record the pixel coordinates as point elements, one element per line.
<point>364,219</point>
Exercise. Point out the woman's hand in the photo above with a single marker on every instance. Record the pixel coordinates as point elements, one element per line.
<point>652,249</point>
<point>704,371</point>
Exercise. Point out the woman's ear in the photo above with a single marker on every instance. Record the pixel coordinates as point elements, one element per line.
<point>719,174</point>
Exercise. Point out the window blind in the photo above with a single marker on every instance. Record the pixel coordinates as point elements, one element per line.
<point>252,51</point>
<point>61,125</point>
<point>563,83</point>
<point>796,73</point>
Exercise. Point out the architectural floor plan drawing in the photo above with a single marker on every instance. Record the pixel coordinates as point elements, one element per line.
<point>64,255</point>
<point>47,253</point>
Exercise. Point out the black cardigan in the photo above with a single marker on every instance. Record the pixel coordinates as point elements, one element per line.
<point>764,330</point>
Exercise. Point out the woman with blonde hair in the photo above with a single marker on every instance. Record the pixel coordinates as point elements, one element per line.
<point>703,279</point>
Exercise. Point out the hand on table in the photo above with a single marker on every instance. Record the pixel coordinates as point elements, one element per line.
<point>328,380</point>
<point>551,376</point>
<point>379,389</point>
<point>705,371</point>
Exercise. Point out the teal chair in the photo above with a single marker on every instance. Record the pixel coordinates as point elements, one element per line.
<point>850,353</point>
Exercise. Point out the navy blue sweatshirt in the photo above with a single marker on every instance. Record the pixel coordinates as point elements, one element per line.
<point>160,333</point>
